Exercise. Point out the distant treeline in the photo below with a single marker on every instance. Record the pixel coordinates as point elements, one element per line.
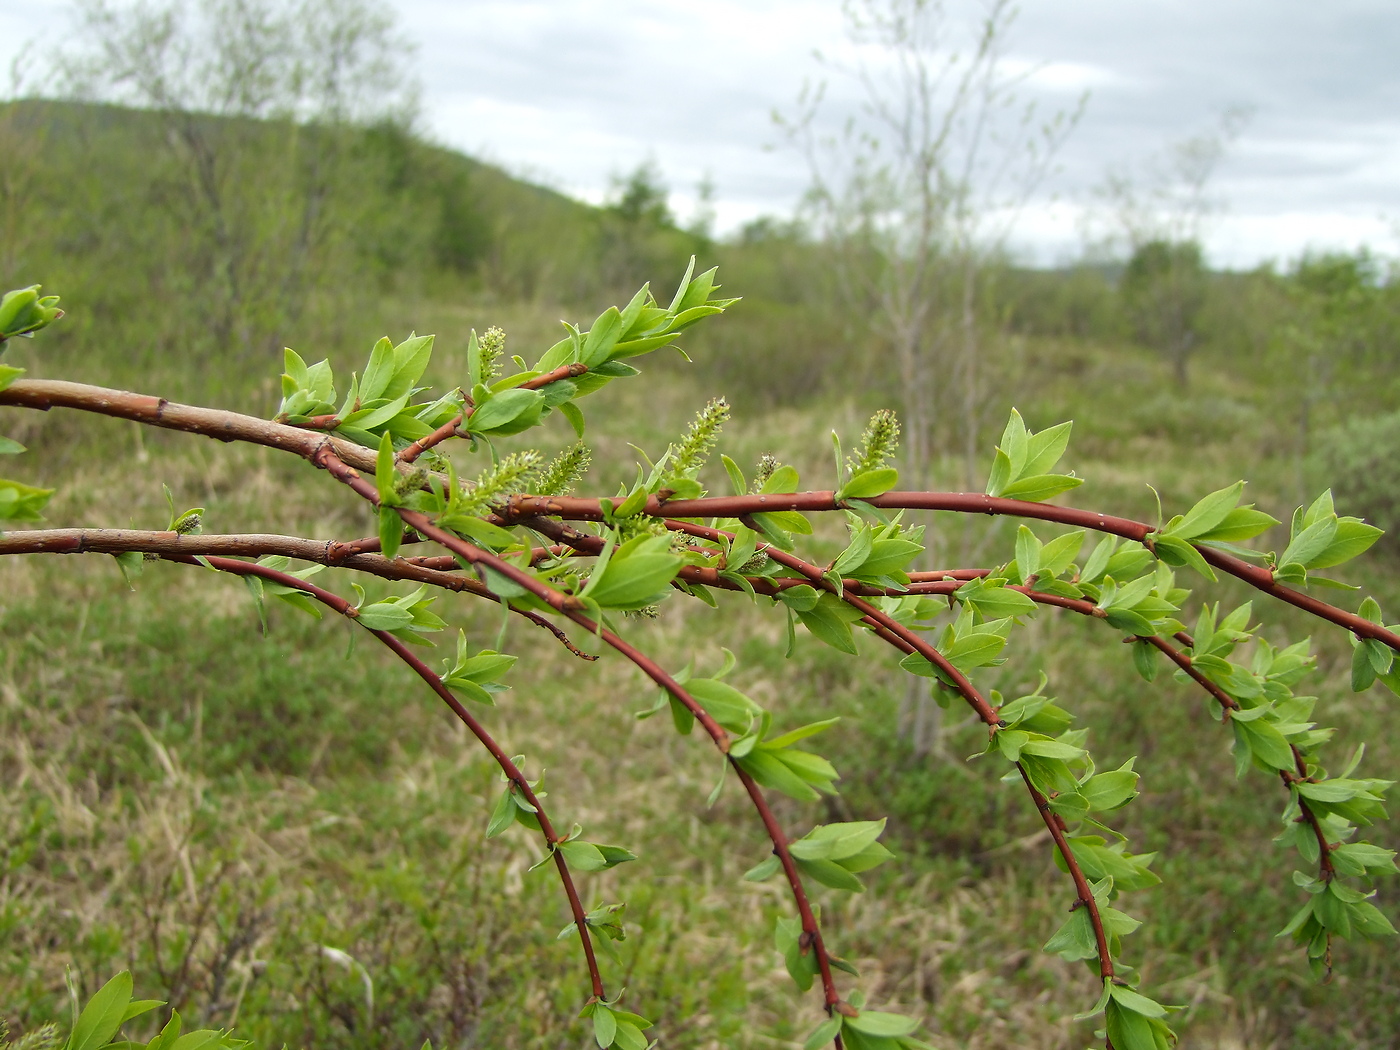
<point>227,238</point>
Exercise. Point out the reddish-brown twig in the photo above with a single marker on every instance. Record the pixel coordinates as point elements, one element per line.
<point>504,761</point>
<point>891,629</point>
<point>450,428</point>
<point>44,394</point>
<point>571,607</point>
<point>257,545</point>
<point>580,509</point>
<point>441,434</point>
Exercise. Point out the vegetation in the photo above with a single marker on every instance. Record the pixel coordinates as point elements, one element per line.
<point>653,539</point>
<point>270,835</point>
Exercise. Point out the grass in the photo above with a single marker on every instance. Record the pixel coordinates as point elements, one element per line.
<point>224,813</point>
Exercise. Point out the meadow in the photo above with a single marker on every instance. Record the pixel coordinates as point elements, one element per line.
<point>285,834</point>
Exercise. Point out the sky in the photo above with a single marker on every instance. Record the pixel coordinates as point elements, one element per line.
<point>572,93</point>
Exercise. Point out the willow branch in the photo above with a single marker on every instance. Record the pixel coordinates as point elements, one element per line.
<point>580,509</point>
<point>504,761</point>
<point>256,545</point>
<point>907,640</point>
<point>44,394</point>
<point>571,607</point>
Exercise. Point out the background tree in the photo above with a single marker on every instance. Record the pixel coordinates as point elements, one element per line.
<point>922,184</point>
<point>256,160</point>
<point>1164,290</point>
<point>1159,214</point>
<point>918,190</point>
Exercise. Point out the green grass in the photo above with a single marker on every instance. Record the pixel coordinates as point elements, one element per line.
<point>214,809</point>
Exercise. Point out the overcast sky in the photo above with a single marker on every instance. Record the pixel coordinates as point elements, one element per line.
<point>572,92</point>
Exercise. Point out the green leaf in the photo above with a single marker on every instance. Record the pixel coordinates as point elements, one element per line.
<point>1175,551</point>
<point>410,361</point>
<point>801,733</point>
<point>1106,792</point>
<point>1208,513</point>
<point>21,502</point>
<point>384,616</point>
<point>1352,537</point>
<point>831,874</point>
<point>502,816</point>
<point>824,1033</point>
<point>837,841</point>
<point>1000,475</point>
<point>772,772</point>
<point>1370,921</point>
<point>869,483</point>
<point>725,704</point>
<point>1359,858</point>
<point>830,620</point>
<point>1043,450</point>
<point>102,1016</point>
<point>140,1006</point>
<point>993,601</point>
<point>764,869</point>
<point>583,856</point>
<point>1145,660</point>
<point>378,371</point>
<point>1310,543</point>
<point>781,481</point>
<point>615,855</point>
<point>1041,487</point>
<point>874,1022</point>
<point>8,374</point>
<point>636,575</point>
<point>1264,742</point>
<point>390,532</point>
<point>629,1037</point>
<point>385,474</point>
<point>1128,1030</point>
<point>604,1025</point>
<point>1242,523</point>
<point>508,412</point>
<point>1053,749</point>
<point>1136,1002</point>
<point>1074,940</point>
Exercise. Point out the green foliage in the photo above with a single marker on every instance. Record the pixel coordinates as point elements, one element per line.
<point>1164,290</point>
<point>639,559</point>
<point>98,1024</point>
<point>1024,460</point>
<point>24,312</point>
<point>1354,457</point>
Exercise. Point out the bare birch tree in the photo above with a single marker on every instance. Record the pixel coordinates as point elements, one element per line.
<point>923,182</point>
<point>253,95</point>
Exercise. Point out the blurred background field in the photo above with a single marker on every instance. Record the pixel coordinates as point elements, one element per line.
<point>214,809</point>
